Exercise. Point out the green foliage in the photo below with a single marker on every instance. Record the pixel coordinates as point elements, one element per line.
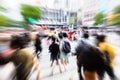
<point>72,20</point>
<point>4,21</point>
<point>29,11</point>
<point>116,9</point>
<point>99,19</point>
<point>116,19</point>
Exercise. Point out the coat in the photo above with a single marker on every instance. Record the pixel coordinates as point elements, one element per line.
<point>106,47</point>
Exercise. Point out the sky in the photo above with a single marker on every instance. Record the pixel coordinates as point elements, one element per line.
<point>108,5</point>
<point>74,5</point>
<point>112,4</point>
<point>50,3</point>
<point>47,3</point>
<point>104,6</point>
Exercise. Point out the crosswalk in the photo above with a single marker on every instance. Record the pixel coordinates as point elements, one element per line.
<point>70,74</point>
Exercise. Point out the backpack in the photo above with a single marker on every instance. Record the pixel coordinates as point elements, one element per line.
<point>66,47</point>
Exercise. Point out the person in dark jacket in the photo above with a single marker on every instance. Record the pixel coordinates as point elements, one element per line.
<point>38,45</point>
<point>91,59</point>
<point>55,51</point>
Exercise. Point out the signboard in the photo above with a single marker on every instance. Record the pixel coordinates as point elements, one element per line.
<point>72,20</point>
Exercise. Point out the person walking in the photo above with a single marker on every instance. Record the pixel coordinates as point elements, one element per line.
<point>70,35</point>
<point>38,48</point>
<point>67,47</point>
<point>85,38</point>
<point>23,59</point>
<point>55,52</point>
<point>109,52</point>
<point>63,56</point>
<point>90,59</point>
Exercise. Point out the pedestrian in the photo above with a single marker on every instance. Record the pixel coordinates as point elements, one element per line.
<point>60,34</point>
<point>70,35</point>
<point>109,52</point>
<point>67,47</point>
<point>27,38</point>
<point>55,52</point>
<point>89,60</point>
<point>75,36</point>
<point>85,40</point>
<point>63,56</point>
<point>38,47</point>
<point>23,59</point>
<point>96,41</point>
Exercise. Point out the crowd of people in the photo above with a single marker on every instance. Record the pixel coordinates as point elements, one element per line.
<point>93,59</point>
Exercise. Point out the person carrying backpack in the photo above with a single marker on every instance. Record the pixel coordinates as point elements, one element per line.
<point>66,46</point>
<point>63,55</point>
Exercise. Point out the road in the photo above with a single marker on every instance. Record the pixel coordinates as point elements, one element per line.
<point>113,39</point>
<point>71,73</point>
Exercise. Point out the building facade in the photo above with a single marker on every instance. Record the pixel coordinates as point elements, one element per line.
<point>89,10</point>
<point>52,16</point>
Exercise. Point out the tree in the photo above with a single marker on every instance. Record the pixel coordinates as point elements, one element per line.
<point>116,10</point>
<point>99,19</point>
<point>7,22</point>
<point>4,21</point>
<point>116,19</point>
<point>30,13</point>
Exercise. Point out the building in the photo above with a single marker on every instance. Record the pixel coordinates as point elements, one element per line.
<point>57,16</point>
<point>53,11</point>
<point>61,13</point>
<point>91,7</point>
<point>50,16</point>
<point>89,10</point>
